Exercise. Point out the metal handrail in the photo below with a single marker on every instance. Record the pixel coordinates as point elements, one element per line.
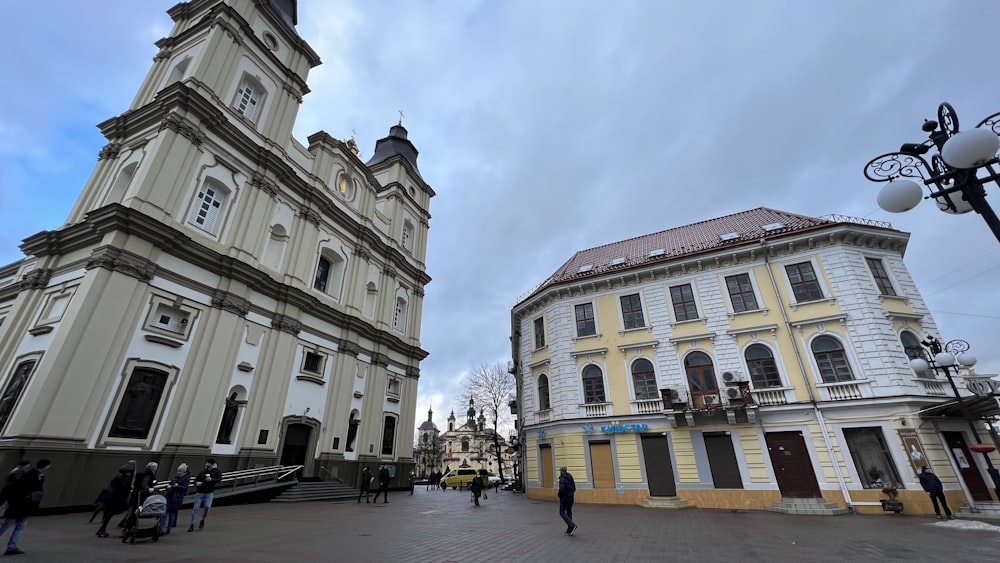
<point>273,472</point>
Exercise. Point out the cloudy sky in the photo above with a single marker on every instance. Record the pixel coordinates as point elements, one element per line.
<point>547,127</point>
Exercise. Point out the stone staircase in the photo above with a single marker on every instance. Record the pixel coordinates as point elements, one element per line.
<point>986,511</point>
<point>815,506</point>
<point>669,503</point>
<point>305,491</point>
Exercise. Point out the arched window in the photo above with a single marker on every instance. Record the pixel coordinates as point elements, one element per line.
<point>465,444</point>
<point>701,380</point>
<point>399,315</point>
<point>913,349</point>
<point>249,98</point>
<point>407,237</point>
<point>275,248</point>
<point>593,384</point>
<point>831,359</point>
<point>371,298</point>
<point>763,369</point>
<point>121,184</point>
<point>644,380</point>
<point>543,393</point>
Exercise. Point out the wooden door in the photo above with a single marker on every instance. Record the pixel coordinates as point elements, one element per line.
<point>792,467</point>
<point>545,465</point>
<point>959,451</point>
<point>659,467</point>
<point>602,467</point>
<point>722,460</point>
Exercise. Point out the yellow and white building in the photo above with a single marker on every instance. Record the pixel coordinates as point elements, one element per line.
<point>737,362</point>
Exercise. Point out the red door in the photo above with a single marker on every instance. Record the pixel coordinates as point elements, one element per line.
<point>792,467</point>
<point>967,465</point>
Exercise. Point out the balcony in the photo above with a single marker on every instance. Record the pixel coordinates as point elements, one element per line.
<point>936,387</point>
<point>544,416</point>
<point>845,390</point>
<point>596,410</point>
<point>772,396</point>
<point>647,406</point>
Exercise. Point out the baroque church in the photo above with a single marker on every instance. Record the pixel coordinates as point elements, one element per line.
<point>220,289</point>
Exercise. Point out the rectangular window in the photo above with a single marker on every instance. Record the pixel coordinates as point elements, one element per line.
<point>539,333</point>
<point>882,281</point>
<point>313,363</point>
<point>169,318</point>
<point>871,458</point>
<point>804,283</point>
<point>632,311</point>
<point>741,293</point>
<point>139,404</point>
<point>682,297</point>
<point>585,325</point>
<point>388,435</point>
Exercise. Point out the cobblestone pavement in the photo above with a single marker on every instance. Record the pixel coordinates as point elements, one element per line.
<point>436,526</point>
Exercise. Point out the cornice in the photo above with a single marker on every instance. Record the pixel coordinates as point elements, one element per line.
<point>122,261</point>
<point>230,302</point>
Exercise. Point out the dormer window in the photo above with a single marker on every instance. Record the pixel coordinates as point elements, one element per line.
<point>585,268</point>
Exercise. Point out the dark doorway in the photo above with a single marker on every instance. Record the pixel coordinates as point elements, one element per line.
<point>722,460</point>
<point>659,468</point>
<point>959,451</point>
<point>295,449</point>
<point>792,467</point>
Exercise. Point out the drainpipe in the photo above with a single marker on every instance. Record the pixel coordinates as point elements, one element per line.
<point>802,370</point>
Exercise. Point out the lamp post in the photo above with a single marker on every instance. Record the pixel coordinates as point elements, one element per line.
<point>956,176</point>
<point>932,355</point>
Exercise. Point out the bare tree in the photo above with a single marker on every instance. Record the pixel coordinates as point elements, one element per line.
<point>491,387</point>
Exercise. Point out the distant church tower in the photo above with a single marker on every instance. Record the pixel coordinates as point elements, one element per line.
<point>220,289</point>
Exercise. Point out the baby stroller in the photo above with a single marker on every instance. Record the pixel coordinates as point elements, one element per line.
<point>153,508</point>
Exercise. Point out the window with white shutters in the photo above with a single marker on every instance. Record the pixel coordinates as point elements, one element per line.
<point>208,206</point>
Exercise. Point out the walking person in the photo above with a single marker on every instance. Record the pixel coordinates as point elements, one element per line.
<point>175,493</point>
<point>567,487</point>
<point>383,485</point>
<point>366,485</point>
<point>205,482</point>
<point>23,497</point>
<point>476,486</point>
<point>117,500</point>
<point>15,473</point>
<point>930,483</point>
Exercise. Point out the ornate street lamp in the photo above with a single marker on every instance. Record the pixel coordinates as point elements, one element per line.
<point>932,355</point>
<point>956,176</point>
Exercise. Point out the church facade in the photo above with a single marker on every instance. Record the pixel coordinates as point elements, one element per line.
<point>220,289</point>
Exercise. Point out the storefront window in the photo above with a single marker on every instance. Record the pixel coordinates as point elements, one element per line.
<point>871,458</point>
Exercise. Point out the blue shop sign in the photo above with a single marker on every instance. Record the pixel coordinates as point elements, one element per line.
<point>623,428</point>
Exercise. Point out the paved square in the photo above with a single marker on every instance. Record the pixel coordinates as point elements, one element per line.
<point>436,526</point>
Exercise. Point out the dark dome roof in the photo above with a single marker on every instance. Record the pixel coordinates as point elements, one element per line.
<point>396,144</point>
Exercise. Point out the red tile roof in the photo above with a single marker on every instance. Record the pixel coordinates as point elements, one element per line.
<point>690,240</point>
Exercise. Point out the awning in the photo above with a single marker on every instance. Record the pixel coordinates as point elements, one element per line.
<point>977,406</point>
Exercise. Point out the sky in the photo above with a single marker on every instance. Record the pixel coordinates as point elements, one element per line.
<point>546,127</point>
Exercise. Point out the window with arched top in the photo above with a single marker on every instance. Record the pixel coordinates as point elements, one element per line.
<point>543,393</point>
<point>763,368</point>
<point>274,249</point>
<point>371,299</point>
<point>249,100</point>
<point>122,182</point>
<point>593,385</point>
<point>831,359</point>
<point>913,349</point>
<point>406,239</point>
<point>399,315</point>
<point>701,380</point>
<point>644,380</point>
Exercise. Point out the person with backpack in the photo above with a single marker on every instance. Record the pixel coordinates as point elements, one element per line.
<point>23,497</point>
<point>117,499</point>
<point>205,482</point>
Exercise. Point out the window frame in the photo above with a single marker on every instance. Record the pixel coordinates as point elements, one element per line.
<point>253,107</point>
<point>211,221</point>
<point>594,390</point>
<point>766,377</point>
<point>152,325</point>
<point>399,314</point>
<point>926,374</point>
<point>880,275</point>
<point>742,293</point>
<point>804,290</point>
<point>831,362</point>
<point>649,387</point>
<point>131,366</point>
<point>538,331</point>
<point>542,388</point>
<point>387,439</point>
<point>689,307</point>
<point>862,461</point>
<point>634,317</point>
<point>588,322</point>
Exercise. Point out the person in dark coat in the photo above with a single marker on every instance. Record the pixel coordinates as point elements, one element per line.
<point>23,497</point>
<point>476,486</point>
<point>15,473</point>
<point>175,493</point>
<point>935,489</point>
<point>205,481</point>
<point>365,485</point>
<point>383,485</point>
<point>117,501</point>
<point>567,489</point>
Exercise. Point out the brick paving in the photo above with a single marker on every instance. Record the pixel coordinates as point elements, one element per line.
<point>436,526</point>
